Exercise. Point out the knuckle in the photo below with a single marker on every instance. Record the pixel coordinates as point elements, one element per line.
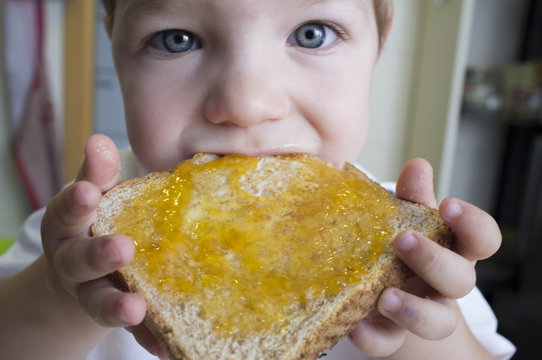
<point>57,261</point>
<point>99,258</point>
<point>420,321</point>
<point>59,215</point>
<point>82,197</point>
<point>59,212</point>
<point>430,319</point>
<point>432,263</point>
<point>63,263</point>
<point>434,327</point>
<point>52,217</point>
<point>95,252</point>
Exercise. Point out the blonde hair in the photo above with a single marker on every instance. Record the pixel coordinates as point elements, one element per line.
<point>383,13</point>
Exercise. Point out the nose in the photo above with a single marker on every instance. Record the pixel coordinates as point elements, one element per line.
<point>245,93</point>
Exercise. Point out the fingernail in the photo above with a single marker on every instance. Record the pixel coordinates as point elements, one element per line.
<point>406,242</point>
<point>390,302</point>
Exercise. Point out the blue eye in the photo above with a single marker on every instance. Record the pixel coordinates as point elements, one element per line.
<point>175,41</point>
<point>313,36</point>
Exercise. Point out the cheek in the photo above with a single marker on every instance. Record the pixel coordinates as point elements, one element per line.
<point>345,137</point>
<point>343,128</point>
<point>150,142</point>
<point>153,122</point>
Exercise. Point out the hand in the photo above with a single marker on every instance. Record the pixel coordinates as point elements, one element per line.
<point>426,306</point>
<point>80,264</point>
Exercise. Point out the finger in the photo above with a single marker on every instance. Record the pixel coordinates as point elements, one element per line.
<point>377,336</point>
<point>415,183</point>
<point>427,318</point>
<point>449,273</point>
<point>70,212</point>
<point>146,339</point>
<point>84,259</point>
<point>477,234</point>
<point>109,306</point>
<point>102,163</point>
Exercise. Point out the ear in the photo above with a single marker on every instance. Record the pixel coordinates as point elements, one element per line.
<point>387,27</point>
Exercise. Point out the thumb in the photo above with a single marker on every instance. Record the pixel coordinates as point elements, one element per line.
<point>415,183</point>
<point>102,163</point>
<point>71,211</point>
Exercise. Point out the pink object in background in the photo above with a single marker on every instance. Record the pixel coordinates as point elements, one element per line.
<point>36,147</point>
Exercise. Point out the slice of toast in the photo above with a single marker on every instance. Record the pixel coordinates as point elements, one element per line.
<point>273,257</point>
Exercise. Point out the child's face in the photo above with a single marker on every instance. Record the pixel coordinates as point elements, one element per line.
<point>242,76</point>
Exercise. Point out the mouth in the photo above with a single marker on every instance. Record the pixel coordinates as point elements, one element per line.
<point>262,140</point>
<point>273,150</point>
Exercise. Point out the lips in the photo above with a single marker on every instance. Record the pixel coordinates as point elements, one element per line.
<point>246,147</point>
<point>251,151</point>
<point>270,138</point>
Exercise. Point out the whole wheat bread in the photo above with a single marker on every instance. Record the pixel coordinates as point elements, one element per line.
<point>314,324</point>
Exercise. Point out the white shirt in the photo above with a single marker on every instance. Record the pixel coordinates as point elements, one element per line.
<point>119,344</point>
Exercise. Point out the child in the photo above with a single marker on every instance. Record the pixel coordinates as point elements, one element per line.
<point>238,76</point>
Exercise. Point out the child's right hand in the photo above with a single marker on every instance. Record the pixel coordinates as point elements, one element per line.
<point>79,263</point>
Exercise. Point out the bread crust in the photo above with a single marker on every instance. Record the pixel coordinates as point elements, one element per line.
<point>328,319</point>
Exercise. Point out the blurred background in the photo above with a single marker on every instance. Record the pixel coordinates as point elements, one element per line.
<point>459,83</point>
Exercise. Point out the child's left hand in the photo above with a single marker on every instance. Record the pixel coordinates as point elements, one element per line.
<point>426,306</point>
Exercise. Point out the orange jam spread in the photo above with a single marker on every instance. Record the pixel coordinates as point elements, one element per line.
<point>243,243</point>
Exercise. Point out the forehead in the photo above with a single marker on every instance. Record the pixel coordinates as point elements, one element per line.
<point>142,7</point>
